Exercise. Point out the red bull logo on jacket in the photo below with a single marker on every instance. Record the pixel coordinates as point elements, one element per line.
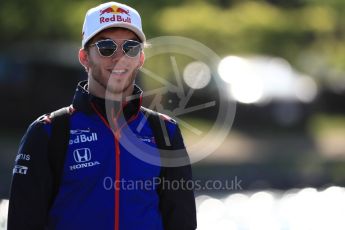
<point>117,15</point>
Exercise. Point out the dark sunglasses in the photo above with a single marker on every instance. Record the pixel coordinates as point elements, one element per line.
<point>108,47</point>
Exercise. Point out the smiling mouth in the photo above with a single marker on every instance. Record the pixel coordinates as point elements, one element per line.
<point>118,72</point>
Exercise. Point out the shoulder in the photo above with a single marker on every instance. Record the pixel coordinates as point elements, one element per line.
<point>43,122</point>
<point>49,117</point>
<point>162,116</point>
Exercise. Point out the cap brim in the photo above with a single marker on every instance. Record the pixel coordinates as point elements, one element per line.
<point>135,30</point>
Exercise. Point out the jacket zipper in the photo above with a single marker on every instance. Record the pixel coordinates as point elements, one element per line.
<point>117,176</point>
<point>117,135</point>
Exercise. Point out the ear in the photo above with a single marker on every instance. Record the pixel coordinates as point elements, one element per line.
<point>84,59</point>
<point>141,59</point>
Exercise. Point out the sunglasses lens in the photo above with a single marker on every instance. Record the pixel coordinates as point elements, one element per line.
<point>132,48</point>
<point>106,47</point>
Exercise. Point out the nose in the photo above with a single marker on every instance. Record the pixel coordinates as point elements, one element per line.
<point>118,55</point>
<point>119,59</point>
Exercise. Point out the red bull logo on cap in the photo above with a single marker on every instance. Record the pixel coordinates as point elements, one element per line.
<point>116,18</point>
<point>114,10</point>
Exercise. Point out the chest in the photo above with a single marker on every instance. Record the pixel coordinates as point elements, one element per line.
<point>95,152</point>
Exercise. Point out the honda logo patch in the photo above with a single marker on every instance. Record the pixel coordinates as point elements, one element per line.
<point>82,155</point>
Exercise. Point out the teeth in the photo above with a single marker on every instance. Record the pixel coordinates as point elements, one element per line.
<point>118,71</point>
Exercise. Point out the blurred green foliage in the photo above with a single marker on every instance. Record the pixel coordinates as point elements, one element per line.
<point>324,125</point>
<point>295,30</point>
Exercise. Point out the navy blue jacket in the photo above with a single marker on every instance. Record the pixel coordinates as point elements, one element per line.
<point>104,184</point>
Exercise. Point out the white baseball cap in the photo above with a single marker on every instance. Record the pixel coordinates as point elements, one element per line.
<point>111,14</point>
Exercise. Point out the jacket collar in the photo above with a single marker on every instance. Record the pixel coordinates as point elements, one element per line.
<point>86,102</point>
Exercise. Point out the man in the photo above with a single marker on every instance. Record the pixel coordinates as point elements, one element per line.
<point>104,117</point>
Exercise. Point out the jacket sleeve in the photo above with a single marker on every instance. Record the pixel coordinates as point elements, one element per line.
<point>177,203</point>
<point>31,186</point>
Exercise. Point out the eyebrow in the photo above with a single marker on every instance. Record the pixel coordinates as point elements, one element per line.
<point>104,38</point>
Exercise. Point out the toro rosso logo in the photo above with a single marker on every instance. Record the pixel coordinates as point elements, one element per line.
<point>114,10</point>
<point>118,14</point>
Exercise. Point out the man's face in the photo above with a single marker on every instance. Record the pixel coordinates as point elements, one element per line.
<point>117,73</point>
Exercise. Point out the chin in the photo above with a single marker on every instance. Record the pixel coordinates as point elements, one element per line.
<point>116,87</point>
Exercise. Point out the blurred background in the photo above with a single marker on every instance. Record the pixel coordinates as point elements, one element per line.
<point>283,63</point>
